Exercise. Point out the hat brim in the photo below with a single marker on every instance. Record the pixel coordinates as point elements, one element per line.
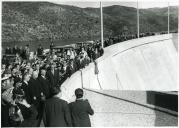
<point>5,78</point>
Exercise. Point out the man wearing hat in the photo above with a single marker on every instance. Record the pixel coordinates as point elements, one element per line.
<point>80,110</point>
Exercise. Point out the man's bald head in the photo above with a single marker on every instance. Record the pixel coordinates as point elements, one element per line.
<point>43,72</point>
<point>35,74</point>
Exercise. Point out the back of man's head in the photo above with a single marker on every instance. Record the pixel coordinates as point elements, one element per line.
<point>79,93</point>
<point>55,91</point>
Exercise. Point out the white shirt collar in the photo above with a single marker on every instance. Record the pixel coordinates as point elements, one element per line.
<point>43,76</point>
<point>26,82</point>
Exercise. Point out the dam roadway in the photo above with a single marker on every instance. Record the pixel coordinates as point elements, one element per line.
<point>136,84</point>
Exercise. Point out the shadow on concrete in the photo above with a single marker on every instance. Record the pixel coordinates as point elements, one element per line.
<point>166,100</point>
<point>175,40</point>
<point>143,105</point>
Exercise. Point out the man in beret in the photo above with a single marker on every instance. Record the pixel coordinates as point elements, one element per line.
<point>80,110</point>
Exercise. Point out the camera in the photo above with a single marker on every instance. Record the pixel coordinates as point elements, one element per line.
<point>18,95</point>
<point>19,98</point>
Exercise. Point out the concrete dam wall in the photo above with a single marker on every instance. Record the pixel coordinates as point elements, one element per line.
<point>148,63</point>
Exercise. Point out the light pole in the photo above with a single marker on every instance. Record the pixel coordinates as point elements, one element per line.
<point>138,20</point>
<point>168,18</point>
<point>101,8</point>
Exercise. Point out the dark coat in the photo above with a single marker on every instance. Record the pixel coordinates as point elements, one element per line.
<point>35,90</point>
<point>29,115</point>
<point>69,70</point>
<point>25,88</point>
<point>76,64</point>
<point>39,51</point>
<point>23,54</point>
<point>80,110</point>
<point>53,78</point>
<point>56,113</point>
<point>45,86</point>
<point>4,114</point>
<point>101,51</point>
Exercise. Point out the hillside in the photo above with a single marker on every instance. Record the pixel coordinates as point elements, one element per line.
<point>29,21</point>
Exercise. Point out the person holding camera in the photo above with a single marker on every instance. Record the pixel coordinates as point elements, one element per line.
<point>80,110</point>
<point>22,111</point>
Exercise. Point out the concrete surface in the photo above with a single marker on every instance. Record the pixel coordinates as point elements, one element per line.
<point>117,112</point>
<point>124,108</point>
<point>149,63</point>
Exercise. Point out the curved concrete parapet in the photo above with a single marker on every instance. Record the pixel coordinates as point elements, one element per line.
<point>148,63</point>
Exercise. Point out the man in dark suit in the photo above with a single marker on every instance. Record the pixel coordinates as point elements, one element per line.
<point>44,83</point>
<point>45,88</point>
<point>15,49</point>
<point>53,76</point>
<point>25,87</point>
<point>40,50</point>
<point>80,110</point>
<point>56,111</point>
<point>70,68</point>
<point>36,94</point>
<point>34,88</point>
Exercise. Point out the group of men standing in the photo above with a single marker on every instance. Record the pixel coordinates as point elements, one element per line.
<point>41,90</point>
<point>58,113</point>
<point>23,52</point>
<point>37,89</point>
<point>36,92</point>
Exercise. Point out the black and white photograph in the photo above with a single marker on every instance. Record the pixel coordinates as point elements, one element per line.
<point>82,63</point>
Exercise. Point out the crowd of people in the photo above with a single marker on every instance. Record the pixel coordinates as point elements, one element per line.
<point>30,82</point>
<point>124,37</point>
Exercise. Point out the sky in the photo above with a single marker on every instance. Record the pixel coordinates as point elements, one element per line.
<point>96,3</point>
<point>132,3</point>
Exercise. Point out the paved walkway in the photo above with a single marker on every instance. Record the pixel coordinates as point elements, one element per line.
<point>125,108</point>
<point>113,112</point>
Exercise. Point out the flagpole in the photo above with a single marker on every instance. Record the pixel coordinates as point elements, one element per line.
<point>178,17</point>
<point>101,8</point>
<point>168,18</point>
<point>138,20</point>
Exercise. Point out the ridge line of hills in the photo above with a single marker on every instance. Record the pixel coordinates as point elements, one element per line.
<point>28,21</point>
